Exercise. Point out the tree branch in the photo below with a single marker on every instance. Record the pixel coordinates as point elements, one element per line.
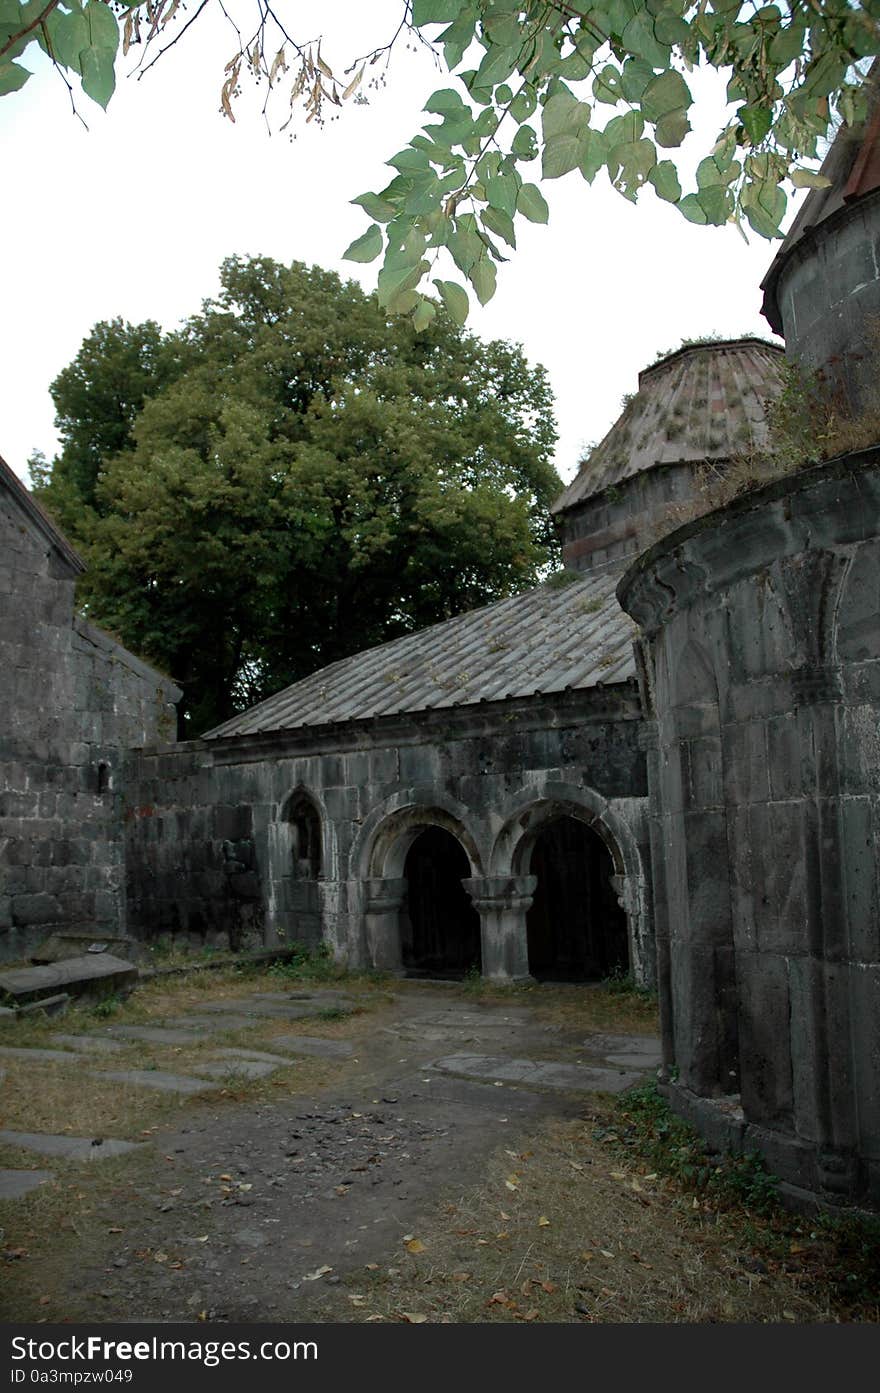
<point>34,24</point>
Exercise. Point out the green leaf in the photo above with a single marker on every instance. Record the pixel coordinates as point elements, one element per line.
<point>639,37</point>
<point>666,93</point>
<point>455,301</point>
<point>98,75</point>
<point>693,209</point>
<point>671,129</point>
<point>809,179</point>
<point>532,204</point>
<point>593,151</point>
<point>436,11</point>
<point>561,154</point>
<point>525,144</point>
<point>375,206</point>
<point>423,314</point>
<point>757,121</point>
<point>664,177</point>
<point>393,280</point>
<point>12,77</point>
<point>458,36</point>
<point>523,104</point>
<point>445,101</point>
<point>68,35</point>
<point>365,248</point>
<point>607,87</point>
<point>501,192</point>
<point>482,278</point>
<point>103,28</point>
<point>409,161</point>
<point>500,222</point>
<point>716,203</point>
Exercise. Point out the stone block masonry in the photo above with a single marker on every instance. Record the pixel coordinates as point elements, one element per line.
<point>72,699</point>
<point>762,657</point>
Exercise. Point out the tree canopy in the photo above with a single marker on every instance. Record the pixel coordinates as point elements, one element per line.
<point>292,477</point>
<point>581,85</point>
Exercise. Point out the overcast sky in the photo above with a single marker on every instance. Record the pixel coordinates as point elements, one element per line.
<point>133,217</point>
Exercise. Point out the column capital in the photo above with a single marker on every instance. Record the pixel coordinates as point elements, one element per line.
<point>501,892</point>
<point>384,896</point>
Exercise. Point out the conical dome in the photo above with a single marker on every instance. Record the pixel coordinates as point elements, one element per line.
<point>705,402</point>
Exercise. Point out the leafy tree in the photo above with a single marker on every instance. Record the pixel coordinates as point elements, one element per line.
<point>584,85</point>
<point>313,480</point>
<point>97,399</point>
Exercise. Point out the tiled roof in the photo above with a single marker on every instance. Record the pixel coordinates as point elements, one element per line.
<point>703,402</point>
<point>548,640</point>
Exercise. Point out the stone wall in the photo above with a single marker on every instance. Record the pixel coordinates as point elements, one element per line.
<point>762,669</point>
<point>74,700</point>
<point>219,844</point>
<point>607,531</point>
<point>828,294</point>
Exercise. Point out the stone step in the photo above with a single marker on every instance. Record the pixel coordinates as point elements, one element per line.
<point>314,1045</point>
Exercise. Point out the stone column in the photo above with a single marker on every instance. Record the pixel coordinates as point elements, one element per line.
<point>384,901</point>
<point>502,903</point>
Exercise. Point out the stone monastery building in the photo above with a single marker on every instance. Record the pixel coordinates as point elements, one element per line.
<point>665,760</point>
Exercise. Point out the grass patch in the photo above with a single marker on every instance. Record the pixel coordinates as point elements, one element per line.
<point>621,1217</point>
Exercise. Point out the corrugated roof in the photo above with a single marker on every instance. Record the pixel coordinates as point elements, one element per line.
<point>29,505</point>
<point>853,167</point>
<point>703,402</point>
<point>548,640</point>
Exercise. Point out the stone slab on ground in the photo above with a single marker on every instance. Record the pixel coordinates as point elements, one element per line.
<point>538,1073</point>
<point>154,1034</point>
<point>212,1025</point>
<point>14,1184</point>
<point>156,1078</point>
<point>239,1068</point>
<point>270,1010</point>
<point>72,1148</point>
<point>88,1044</point>
<point>252,1054</point>
<point>36,1056</point>
<point>315,1046</point>
<point>47,1005</point>
<point>90,975</point>
<point>59,946</point>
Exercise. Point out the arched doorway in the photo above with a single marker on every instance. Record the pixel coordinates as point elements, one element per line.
<point>440,929</point>
<point>577,931</point>
<point>299,907</point>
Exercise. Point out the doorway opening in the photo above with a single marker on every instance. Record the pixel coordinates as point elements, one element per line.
<point>440,929</point>
<point>577,931</point>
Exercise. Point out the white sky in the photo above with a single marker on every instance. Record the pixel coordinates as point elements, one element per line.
<point>133,217</point>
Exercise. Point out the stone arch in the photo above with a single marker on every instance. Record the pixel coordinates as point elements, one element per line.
<point>300,858</point>
<point>535,808</point>
<point>383,853</point>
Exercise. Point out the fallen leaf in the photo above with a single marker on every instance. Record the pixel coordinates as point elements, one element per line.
<point>503,1215</point>
<point>502,1235</point>
<point>615,1175</point>
<point>318,1272</point>
<point>499,1298</point>
<point>532,1314</point>
<point>460,1276</point>
<point>526,1287</point>
<point>357,1299</point>
<point>116,1230</point>
<point>202,1239</point>
<point>549,1287</point>
<point>44,1300</point>
<point>224,1177</point>
<point>160,1257</point>
<point>415,1245</point>
<point>605,1253</point>
<point>372,1267</point>
<point>543,1222</point>
<point>414,1317</point>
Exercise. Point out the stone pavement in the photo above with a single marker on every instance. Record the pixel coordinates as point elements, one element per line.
<point>434,1076</point>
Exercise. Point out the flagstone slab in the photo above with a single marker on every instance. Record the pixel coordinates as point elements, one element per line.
<point>239,1068</point>
<point>91,974</point>
<point>14,1184</point>
<point>538,1073</point>
<point>314,1046</point>
<point>155,1034</point>
<point>88,1044</point>
<point>35,1056</point>
<point>72,1148</point>
<point>156,1078</point>
<point>212,1025</point>
<point>253,1054</point>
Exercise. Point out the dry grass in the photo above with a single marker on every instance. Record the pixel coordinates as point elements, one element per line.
<point>568,1231</point>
